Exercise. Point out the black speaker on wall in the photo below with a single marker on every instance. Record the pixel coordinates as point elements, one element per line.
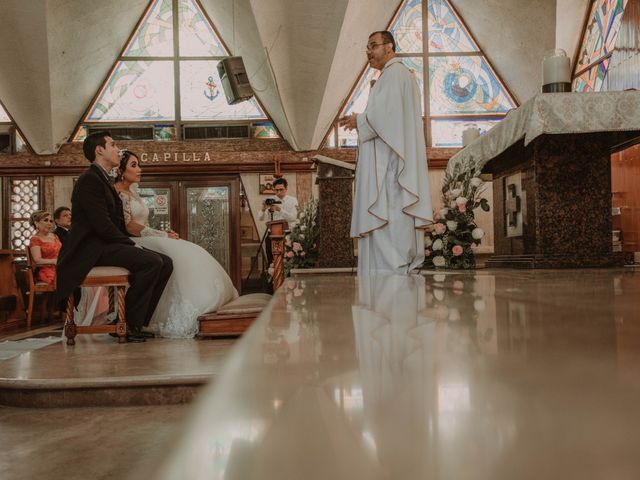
<point>235,81</point>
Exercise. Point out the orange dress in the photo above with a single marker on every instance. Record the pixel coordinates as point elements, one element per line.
<point>48,250</point>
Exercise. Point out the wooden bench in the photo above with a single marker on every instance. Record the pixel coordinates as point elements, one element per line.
<point>234,318</point>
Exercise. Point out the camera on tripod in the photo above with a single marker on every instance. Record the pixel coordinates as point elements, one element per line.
<point>272,201</point>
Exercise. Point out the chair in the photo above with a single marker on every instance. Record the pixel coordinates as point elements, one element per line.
<point>36,287</point>
<point>116,279</point>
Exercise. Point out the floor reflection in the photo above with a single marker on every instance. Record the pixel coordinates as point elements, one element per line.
<point>487,375</point>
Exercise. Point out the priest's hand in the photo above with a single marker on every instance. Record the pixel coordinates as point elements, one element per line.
<point>350,122</point>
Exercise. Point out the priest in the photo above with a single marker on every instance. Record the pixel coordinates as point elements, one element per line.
<point>392,205</point>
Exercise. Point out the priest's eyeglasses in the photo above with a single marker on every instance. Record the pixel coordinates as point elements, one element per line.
<point>371,46</point>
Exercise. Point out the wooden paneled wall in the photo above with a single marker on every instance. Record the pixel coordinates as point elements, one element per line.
<point>625,187</point>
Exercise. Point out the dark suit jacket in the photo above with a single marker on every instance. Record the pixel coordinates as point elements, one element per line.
<point>62,234</point>
<point>98,220</point>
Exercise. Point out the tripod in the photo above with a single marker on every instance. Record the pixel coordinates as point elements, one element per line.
<point>259,249</point>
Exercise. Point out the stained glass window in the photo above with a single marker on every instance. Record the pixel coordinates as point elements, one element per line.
<point>446,32</point>
<point>4,116</point>
<point>142,88</point>
<point>462,86</point>
<point>154,37</point>
<point>407,27</point>
<point>202,97</point>
<point>24,200</point>
<point>137,90</point>
<point>598,42</point>
<point>591,80</point>
<point>197,37</point>
<point>465,84</point>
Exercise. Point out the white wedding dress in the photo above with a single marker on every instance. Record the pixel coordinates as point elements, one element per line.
<point>197,285</point>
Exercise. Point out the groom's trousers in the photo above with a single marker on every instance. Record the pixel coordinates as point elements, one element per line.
<point>150,272</point>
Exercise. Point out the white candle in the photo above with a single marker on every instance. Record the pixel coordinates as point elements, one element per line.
<point>469,135</point>
<point>556,67</point>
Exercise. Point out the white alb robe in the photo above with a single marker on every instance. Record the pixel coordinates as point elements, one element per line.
<point>392,204</point>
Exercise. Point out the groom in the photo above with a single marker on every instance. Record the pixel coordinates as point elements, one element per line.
<point>99,238</point>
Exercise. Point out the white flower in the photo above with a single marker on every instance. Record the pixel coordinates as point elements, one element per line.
<point>461,201</point>
<point>451,225</point>
<point>437,245</point>
<point>428,242</point>
<point>439,261</point>
<point>302,228</point>
<point>456,192</point>
<point>443,212</point>
<point>301,236</point>
<point>477,233</point>
<point>440,277</point>
<point>479,305</point>
<point>476,182</point>
<point>302,215</point>
<point>452,204</point>
<point>439,294</point>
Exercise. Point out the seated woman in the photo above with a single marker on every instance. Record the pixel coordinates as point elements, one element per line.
<point>45,246</point>
<point>198,284</point>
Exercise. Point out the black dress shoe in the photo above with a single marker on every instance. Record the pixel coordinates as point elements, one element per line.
<point>146,334</point>
<point>135,338</point>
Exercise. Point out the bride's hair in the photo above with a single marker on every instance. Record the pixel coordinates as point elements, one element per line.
<point>125,155</point>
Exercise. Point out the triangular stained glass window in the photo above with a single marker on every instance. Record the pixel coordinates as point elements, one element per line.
<point>601,32</point>
<point>461,81</point>
<point>144,90</point>
<point>4,116</point>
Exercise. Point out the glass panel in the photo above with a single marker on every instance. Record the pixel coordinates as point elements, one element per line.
<point>347,139</point>
<point>164,132</point>
<point>602,31</point>
<point>158,200</point>
<point>21,144</point>
<point>202,97</point>
<point>448,133</point>
<point>154,38</point>
<point>137,90</point>
<point>461,85</point>
<point>265,130</point>
<point>25,199</point>
<point>407,28</point>
<point>416,65</point>
<point>81,134</point>
<point>4,116</point>
<point>208,212</point>
<point>592,79</point>
<point>358,101</point>
<point>197,38</point>
<point>446,31</point>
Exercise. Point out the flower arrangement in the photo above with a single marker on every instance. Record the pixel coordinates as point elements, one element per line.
<point>301,244</point>
<point>448,243</point>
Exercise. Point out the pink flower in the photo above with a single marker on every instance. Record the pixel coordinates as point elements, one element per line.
<point>440,228</point>
<point>289,254</point>
<point>462,208</point>
<point>297,247</point>
<point>457,250</point>
<point>458,284</point>
<point>302,254</point>
<point>288,242</point>
<point>427,252</point>
<point>436,216</point>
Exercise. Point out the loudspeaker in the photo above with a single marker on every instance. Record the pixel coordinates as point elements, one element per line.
<point>235,81</point>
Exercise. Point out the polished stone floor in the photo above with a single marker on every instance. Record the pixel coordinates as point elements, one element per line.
<point>86,443</point>
<point>495,375</point>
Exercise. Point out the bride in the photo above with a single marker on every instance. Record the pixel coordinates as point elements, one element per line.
<point>198,284</point>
